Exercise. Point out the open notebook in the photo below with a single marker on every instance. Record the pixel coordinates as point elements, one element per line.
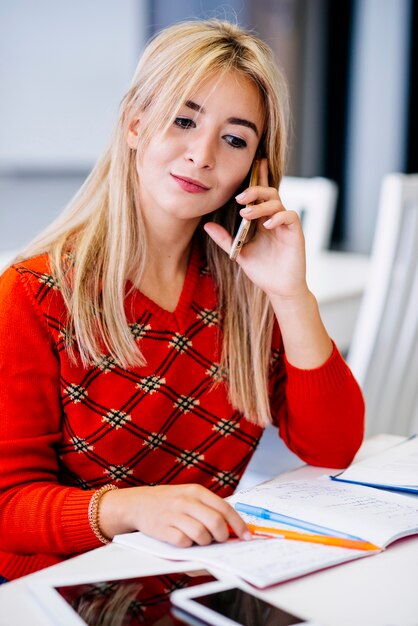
<point>378,517</point>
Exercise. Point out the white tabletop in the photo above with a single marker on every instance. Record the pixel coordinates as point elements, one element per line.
<point>377,591</point>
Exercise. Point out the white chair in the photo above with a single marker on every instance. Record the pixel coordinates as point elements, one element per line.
<point>315,200</point>
<point>384,351</point>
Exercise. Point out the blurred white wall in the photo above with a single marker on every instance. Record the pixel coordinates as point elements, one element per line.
<point>63,69</point>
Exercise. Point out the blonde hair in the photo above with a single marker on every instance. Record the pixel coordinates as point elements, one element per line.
<point>103,232</point>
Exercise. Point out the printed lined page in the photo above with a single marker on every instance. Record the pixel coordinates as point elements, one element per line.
<point>261,562</point>
<point>373,515</point>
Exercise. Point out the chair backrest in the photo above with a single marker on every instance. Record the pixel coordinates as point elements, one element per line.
<point>384,350</point>
<point>315,199</point>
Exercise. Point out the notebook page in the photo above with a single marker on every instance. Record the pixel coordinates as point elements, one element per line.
<point>261,562</point>
<point>371,514</point>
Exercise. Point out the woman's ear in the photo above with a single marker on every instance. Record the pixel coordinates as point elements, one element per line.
<point>133,133</point>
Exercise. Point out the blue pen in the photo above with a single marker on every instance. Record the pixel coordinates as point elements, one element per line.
<point>261,513</point>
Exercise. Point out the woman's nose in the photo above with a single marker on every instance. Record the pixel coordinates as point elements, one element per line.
<point>202,151</point>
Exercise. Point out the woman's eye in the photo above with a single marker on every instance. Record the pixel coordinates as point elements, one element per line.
<point>184,122</point>
<point>235,142</point>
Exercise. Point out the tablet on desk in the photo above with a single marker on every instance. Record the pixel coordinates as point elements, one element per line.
<point>223,604</point>
<point>143,600</point>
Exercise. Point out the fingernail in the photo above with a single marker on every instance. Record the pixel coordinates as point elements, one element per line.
<point>246,211</point>
<point>247,536</point>
<point>240,197</point>
<point>267,224</point>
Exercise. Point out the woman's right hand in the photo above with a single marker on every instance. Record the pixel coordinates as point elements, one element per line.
<point>179,514</point>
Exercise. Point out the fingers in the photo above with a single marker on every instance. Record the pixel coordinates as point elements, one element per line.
<point>190,530</point>
<point>261,210</point>
<point>222,517</point>
<point>173,535</point>
<point>283,218</point>
<point>263,173</point>
<point>200,527</point>
<point>219,235</point>
<point>211,518</point>
<point>260,201</point>
<point>237,524</point>
<point>258,194</point>
<point>187,514</point>
<point>268,205</point>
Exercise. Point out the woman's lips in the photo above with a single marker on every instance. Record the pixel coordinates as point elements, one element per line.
<point>190,185</point>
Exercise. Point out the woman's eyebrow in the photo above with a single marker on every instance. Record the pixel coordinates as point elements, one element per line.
<point>196,107</point>
<point>241,122</point>
<point>231,120</point>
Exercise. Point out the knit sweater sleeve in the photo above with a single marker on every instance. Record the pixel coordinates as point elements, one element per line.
<point>37,515</point>
<point>319,412</point>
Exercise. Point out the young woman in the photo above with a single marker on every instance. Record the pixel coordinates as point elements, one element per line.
<point>133,352</point>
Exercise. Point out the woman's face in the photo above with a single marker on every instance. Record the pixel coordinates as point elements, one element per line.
<point>199,163</point>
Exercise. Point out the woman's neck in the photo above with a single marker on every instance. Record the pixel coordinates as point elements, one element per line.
<point>166,266</point>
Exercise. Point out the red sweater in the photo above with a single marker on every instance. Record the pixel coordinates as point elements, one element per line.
<point>65,429</point>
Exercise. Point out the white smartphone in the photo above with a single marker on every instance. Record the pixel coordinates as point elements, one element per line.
<point>244,227</point>
<point>223,604</point>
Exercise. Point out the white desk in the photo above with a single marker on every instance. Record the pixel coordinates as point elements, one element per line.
<point>376,591</point>
<point>338,280</point>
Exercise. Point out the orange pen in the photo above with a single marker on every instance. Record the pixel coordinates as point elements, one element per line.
<point>355,544</point>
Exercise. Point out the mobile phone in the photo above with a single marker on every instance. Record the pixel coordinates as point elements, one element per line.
<point>244,227</point>
<point>223,604</point>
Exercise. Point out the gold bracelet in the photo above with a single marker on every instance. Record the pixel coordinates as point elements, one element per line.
<point>93,511</point>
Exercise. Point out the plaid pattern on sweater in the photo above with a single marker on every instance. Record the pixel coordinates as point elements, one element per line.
<point>66,429</point>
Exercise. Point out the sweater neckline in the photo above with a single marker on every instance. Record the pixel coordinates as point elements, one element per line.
<point>182,309</point>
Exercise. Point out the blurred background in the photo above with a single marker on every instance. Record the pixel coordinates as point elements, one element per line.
<point>352,68</point>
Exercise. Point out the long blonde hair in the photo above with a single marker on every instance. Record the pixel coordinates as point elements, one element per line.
<point>102,231</point>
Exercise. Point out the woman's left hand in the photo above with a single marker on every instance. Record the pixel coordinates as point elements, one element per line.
<point>274,259</point>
